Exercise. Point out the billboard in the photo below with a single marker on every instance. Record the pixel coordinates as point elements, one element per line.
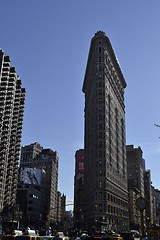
<point>31,176</point>
<point>80,164</point>
<point>80,167</point>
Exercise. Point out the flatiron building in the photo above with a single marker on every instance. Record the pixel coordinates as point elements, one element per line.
<point>105,166</point>
<point>12,97</point>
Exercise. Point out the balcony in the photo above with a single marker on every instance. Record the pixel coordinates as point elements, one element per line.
<point>4,84</point>
<point>4,79</point>
<point>16,111</point>
<point>7,112</point>
<point>9,101</point>
<point>6,64</point>
<point>11,162</point>
<point>5,74</point>
<point>1,106</point>
<point>5,131</point>
<point>2,98</point>
<point>12,75</point>
<point>6,60</point>
<point>3,161</point>
<point>6,68</point>
<point>3,88</point>
<point>9,97</point>
<point>8,183</point>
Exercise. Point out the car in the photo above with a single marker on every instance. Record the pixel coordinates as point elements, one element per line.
<point>98,235</point>
<point>11,236</point>
<point>136,233</point>
<point>48,237</point>
<point>8,237</point>
<point>84,235</point>
<point>61,236</point>
<point>127,235</point>
<point>115,236</point>
<point>17,232</point>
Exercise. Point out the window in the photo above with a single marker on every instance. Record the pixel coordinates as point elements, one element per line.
<point>100,100</point>
<point>100,144</point>
<point>108,197</point>
<point>100,108</point>
<point>100,207</point>
<point>100,76</point>
<point>100,134</point>
<point>100,154</point>
<point>109,208</point>
<point>99,117</point>
<point>100,84</point>
<point>100,195</point>
<point>100,93</point>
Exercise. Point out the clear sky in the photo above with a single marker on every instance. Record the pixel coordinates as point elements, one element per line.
<point>48,42</point>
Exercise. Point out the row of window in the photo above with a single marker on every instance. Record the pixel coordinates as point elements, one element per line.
<point>111,210</point>
<point>118,91</point>
<point>104,58</point>
<point>111,198</point>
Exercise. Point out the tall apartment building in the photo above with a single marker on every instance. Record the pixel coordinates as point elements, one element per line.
<point>47,160</point>
<point>105,178</point>
<point>12,97</point>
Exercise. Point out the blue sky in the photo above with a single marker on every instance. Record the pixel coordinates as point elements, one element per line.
<point>48,42</point>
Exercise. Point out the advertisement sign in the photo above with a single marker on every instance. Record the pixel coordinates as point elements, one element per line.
<point>80,164</point>
<point>31,176</point>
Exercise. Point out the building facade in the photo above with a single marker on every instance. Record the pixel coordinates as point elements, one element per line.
<point>136,184</point>
<point>135,168</point>
<point>105,177</point>
<point>47,160</point>
<point>134,213</point>
<point>29,152</point>
<point>79,190</point>
<point>61,206</point>
<point>148,196</point>
<point>12,98</point>
<point>29,205</point>
<point>156,193</point>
